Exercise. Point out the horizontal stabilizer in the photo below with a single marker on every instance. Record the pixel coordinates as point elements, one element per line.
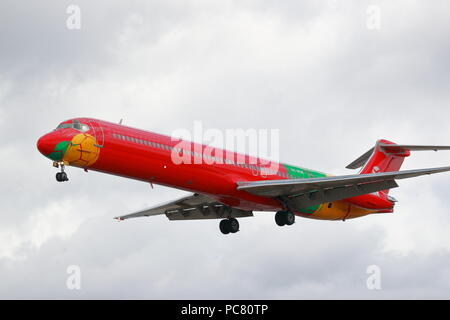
<point>392,149</point>
<point>408,147</point>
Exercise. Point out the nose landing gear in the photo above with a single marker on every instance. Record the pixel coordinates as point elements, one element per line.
<point>61,176</point>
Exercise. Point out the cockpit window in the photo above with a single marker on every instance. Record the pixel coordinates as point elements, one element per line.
<point>75,124</point>
<point>65,126</point>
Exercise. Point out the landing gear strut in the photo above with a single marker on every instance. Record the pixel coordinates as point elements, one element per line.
<point>62,176</point>
<point>229,226</point>
<point>284,218</point>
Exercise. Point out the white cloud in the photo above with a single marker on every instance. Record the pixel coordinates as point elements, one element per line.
<point>56,220</point>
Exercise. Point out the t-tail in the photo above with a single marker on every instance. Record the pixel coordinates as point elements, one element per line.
<point>386,156</point>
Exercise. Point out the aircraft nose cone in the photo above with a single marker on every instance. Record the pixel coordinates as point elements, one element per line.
<point>53,145</point>
<point>45,145</point>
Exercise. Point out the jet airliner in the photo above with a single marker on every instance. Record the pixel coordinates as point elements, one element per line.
<point>227,185</point>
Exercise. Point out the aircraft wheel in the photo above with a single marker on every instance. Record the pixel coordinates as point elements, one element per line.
<point>229,226</point>
<point>279,218</point>
<point>234,225</point>
<point>289,218</point>
<point>284,218</point>
<point>61,177</point>
<point>224,226</point>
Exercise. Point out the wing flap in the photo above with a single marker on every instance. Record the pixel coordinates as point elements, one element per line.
<point>188,201</point>
<point>316,197</point>
<point>193,207</point>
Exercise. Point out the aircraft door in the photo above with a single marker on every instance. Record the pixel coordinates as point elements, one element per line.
<point>98,133</point>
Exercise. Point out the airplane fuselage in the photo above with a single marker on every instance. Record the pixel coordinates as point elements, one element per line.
<point>116,149</point>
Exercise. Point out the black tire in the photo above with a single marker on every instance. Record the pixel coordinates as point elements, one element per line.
<point>234,225</point>
<point>58,177</point>
<point>289,218</point>
<point>279,218</point>
<point>64,176</point>
<point>225,226</point>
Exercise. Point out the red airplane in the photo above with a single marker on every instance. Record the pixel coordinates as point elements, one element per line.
<point>227,185</point>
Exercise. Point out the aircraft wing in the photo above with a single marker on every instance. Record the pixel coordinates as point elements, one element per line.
<point>195,206</point>
<point>320,190</point>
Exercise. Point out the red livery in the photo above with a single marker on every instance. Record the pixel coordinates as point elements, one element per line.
<point>225,184</point>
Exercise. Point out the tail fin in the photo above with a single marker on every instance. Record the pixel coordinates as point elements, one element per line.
<point>387,156</point>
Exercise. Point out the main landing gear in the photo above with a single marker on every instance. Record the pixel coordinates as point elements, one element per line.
<point>62,176</point>
<point>284,218</point>
<point>229,226</point>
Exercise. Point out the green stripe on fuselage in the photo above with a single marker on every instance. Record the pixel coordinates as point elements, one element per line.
<point>302,173</point>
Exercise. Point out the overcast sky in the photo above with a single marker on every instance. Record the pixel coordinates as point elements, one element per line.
<point>319,71</point>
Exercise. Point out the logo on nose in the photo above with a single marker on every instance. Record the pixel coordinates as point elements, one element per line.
<point>58,152</point>
<point>79,150</point>
<point>51,147</point>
